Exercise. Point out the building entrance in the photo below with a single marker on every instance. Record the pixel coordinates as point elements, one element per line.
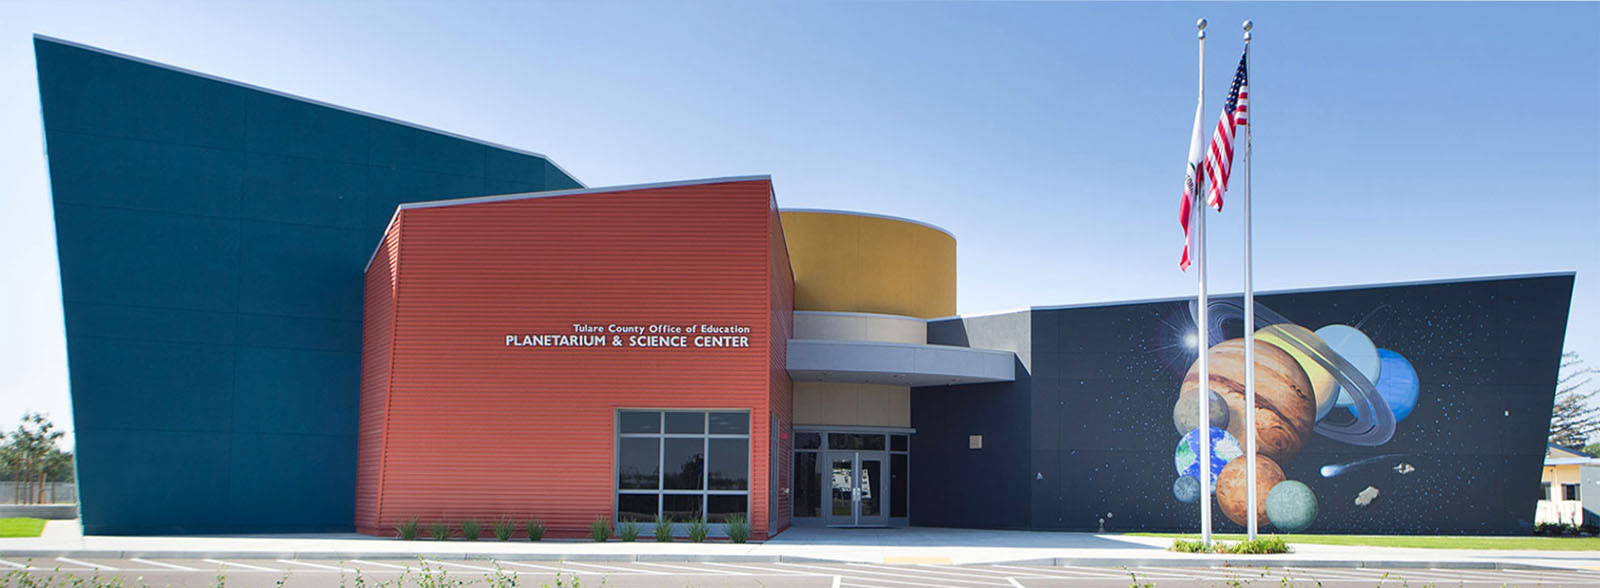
<point>856,492</point>
<point>851,478</point>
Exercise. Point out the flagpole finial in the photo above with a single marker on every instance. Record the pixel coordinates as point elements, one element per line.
<point>1248,24</point>
<point>1201,25</point>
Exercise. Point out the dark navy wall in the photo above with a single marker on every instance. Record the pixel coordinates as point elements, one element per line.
<point>212,239</point>
<point>951,484</point>
<point>1102,380</point>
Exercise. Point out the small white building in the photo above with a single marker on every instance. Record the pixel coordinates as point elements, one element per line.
<point>1570,477</point>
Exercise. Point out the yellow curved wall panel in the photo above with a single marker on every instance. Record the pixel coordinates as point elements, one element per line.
<point>847,262</point>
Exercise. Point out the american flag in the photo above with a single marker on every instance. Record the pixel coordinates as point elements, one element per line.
<point>1235,113</point>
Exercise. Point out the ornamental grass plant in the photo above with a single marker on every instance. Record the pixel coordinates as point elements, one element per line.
<point>504,529</point>
<point>698,529</point>
<point>407,530</point>
<point>738,528</point>
<point>628,531</point>
<point>471,529</point>
<point>663,529</point>
<point>600,529</point>
<point>535,529</point>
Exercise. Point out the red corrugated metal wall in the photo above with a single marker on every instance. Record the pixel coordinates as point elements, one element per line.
<point>377,332</point>
<point>475,428</point>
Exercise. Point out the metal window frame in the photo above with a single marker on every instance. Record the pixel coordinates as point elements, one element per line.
<point>661,491</point>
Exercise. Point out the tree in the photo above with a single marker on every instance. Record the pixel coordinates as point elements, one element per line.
<point>31,456</point>
<point>1575,417</point>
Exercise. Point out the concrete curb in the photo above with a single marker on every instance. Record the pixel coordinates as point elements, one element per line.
<point>1288,560</point>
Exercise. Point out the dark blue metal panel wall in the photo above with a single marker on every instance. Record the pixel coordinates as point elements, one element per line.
<point>951,484</point>
<point>1096,434</point>
<point>212,239</point>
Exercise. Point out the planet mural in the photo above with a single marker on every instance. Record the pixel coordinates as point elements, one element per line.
<point>1186,489</point>
<point>1354,346</point>
<point>1301,376</point>
<point>1291,506</point>
<point>1285,407</point>
<point>1233,488</point>
<point>1374,423</point>
<point>1397,383</point>
<point>1185,413</point>
<point>1322,381</point>
<point>1224,448</point>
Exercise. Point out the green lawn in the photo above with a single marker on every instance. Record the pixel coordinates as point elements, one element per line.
<point>1423,541</point>
<point>21,527</point>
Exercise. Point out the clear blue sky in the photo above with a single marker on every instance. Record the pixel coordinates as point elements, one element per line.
<point>1394,142</point>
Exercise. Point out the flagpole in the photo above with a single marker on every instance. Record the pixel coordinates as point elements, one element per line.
<point>1249,316</point>
<point>1202,337</point>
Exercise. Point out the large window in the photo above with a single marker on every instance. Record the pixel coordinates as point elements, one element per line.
<point>686,465</point>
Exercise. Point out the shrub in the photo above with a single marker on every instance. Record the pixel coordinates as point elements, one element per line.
<point>504,529</point>
<point>439,530</point>
<point>1590,529</point>
<point>407,529</point>
<point>471,529</point>
<point>1259,545</point>
<point>738,528</point>
<point>629,531</point>
<point>1187,546</point>
<point>698,529</point>
<point>664,529</point>
<point>600,529</point>
<point>535,530</point>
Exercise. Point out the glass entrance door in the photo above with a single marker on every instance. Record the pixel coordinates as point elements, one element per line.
<point>856,496</point>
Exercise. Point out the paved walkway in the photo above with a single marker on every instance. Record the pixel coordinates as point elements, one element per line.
<point>798,545</point>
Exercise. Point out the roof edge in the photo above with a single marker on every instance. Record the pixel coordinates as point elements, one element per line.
<point>871,215</point>
<point>280,93</point>
<point>549,194</point>
<point>1312,289</point>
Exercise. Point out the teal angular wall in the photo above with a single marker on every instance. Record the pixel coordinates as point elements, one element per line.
<point>212,238</point>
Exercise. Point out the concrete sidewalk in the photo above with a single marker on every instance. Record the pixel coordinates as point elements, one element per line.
<point>878,546</point>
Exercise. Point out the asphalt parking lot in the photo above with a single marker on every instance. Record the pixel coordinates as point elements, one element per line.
<point>251,573</point>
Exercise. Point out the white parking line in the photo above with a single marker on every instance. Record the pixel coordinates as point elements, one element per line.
<point>1204,573</point>
<point>13,564</point>
<point>847,571</point>
<point>164,565</point>
<point>839,584</point>
<point>1014,582</point>
<point>529,565</point>
<point>379,564</point>
<point>84,563</point>
<point>470,567</point>
<point>837,580</point>
<point>766,571</point>
<point>1574,575</point>
<point>703,571</point>
<point>935,569</point>
<point>239,565</point>
<point>612,569</point>
<point>1056,573</point>
<point>315,565</point>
